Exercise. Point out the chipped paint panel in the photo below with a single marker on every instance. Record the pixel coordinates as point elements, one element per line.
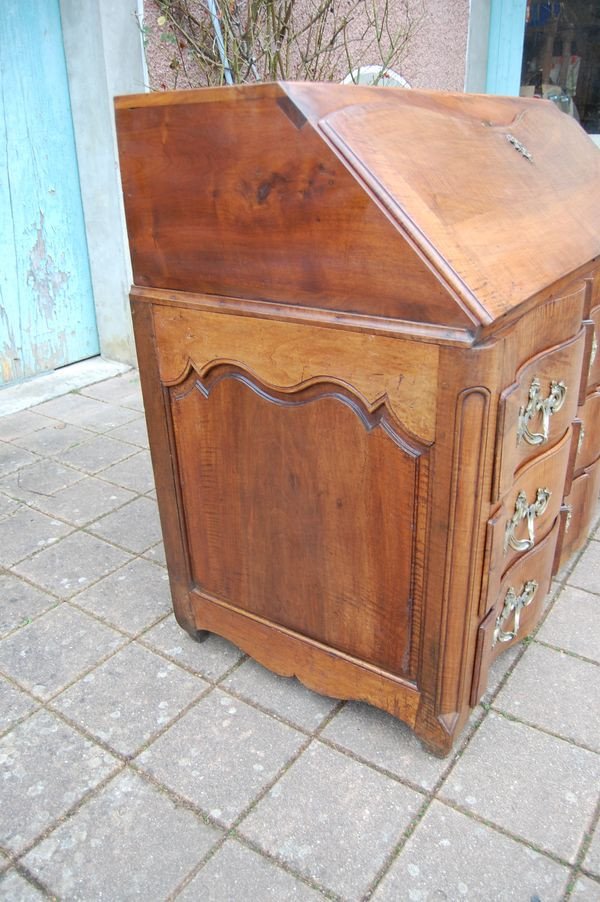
<point>10,331</point>
<point>48,317</point>
<point>44,277</point>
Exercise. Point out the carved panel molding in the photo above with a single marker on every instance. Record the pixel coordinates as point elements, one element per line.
<point>301,482</point>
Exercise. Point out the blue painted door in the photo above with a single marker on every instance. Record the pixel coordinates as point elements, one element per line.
<point>505,53</point>
<point>47,316</point>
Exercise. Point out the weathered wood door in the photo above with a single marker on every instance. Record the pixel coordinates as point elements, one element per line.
<point>47,316</point>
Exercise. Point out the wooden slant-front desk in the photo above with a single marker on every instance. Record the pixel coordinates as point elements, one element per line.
<point>367,324</point>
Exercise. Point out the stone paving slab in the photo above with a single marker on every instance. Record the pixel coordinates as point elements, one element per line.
<point>96,453</point>
<point>574,623</point>
<point>382,740</point>
<point>129,699</point>
<point>14,705</point>
<point>221,755</point>
<point>573,712</point>
<point>122,390</point>
<point>20,603</point>
<point>134,432</point>
<point>26,532</point>
<point>211,658</point>
<point>586,890</point>
<point>15,888</point>
<point>16,425</point>
<point>47,767</point>
<point>23,396</point>
<point>332,820</point>
<point>92,659</point>
<point>586,574</point>
<point>135,473</point>
<point>450,856</point>
<point>280,695</point>
<point>13,457</point>
<point>54,439</point>
<point>499,669</point>
<point>157,552</point>
<point>75,408</point>
<point>129,842</point>
<point>592,859</point>
<point>71,564</point>
<point>51,651</point>
<point>39,481</point>
<point>8,506</point>
<point>237,873</point>
<point>135,526</point>
<point>131,598</point>
<point>85,501</point>
<point>539,788</point>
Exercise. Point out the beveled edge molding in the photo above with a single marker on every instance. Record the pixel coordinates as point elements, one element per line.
<point>372,414</point>
<point>465,513</point>
<point>571,284</point>
<point>312,316</point>
<point>457,289</point>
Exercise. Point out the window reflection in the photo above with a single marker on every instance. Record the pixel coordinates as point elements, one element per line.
<point>561,57</point>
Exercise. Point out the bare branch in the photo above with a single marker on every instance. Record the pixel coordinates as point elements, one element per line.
<point>287,39</point>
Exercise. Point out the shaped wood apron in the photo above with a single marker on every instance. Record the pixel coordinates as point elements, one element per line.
<point>367,328</point>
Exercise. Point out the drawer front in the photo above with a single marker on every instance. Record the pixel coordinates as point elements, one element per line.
<point>582,505</point>
<point>538,408</point>
<point>528,510</point>
<point>588,446</point>
<point>516,607</point>
<point>594,364</point>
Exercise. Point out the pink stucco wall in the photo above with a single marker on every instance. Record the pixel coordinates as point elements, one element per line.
<point>435,56</point>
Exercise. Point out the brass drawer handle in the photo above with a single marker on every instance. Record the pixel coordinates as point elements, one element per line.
<point>537,405</point>
<point>516,603</point>
<point>528,512</point>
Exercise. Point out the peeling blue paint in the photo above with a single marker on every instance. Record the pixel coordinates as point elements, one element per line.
<point>43,277</point>
<point>47,316</point>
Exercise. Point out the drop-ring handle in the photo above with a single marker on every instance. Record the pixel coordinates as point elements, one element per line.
<point>537,405</point>
<point>527,512</point>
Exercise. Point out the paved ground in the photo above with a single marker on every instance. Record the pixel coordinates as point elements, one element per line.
<point>136,763</point>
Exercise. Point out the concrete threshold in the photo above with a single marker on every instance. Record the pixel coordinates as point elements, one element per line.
<point>52,385</point>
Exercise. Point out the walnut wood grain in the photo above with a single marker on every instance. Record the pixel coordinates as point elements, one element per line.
<point>206,227</point>
<point>593,370</point>
<point>588,449</point>
<point>507,191</point>
<point>401,372</point>
<point>302,508</point>
<point>536,565</point>
<point>328,319</point>
<point>343,295</point>
<point>290,654</point>
<point>549,471</point>
<point>581,505</point>
<point>558,365</point>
